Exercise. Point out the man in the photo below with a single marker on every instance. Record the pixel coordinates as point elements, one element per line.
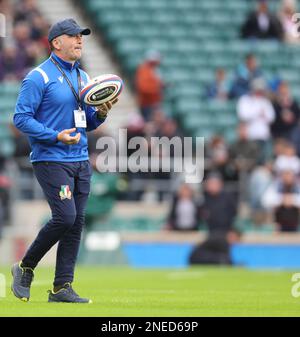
<point>257,112</point>
<point>243,153</point>
<point>282,197</point>
<point>50,112</point>
<point>218,209</point>
<point>219,88</point>
<point>245,73</point>
<point>287,112</point>
<point>262,24</point>
<point>149,85</point>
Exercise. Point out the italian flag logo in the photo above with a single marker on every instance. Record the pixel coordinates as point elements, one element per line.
<point>65,192</point>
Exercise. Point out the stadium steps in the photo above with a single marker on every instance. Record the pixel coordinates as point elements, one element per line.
<point>96,60</point>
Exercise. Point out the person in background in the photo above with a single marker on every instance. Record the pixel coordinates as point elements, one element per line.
<point>12,64</point>
<point>219,207</point>
<point>262,24</point>
<point>259,180</point>
<point>257,112</point>
<point>39,28</point>
<point>283,199</point>
<point>243,153</point>
<point>287,10</point>
<point>184,214</point>
<point>21,34</point>
<point>154,126</point>
<point>169,129</point>
<point>288,160</point>
<point>245,74</point>
<point>219,88</point>
<point>217,155</point>
<point>25,10</point>
<point>287,112</point>
<point>295,138</point>
<point>149,85</point>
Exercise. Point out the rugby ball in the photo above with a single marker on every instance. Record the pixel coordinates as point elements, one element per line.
<point>101,89</point>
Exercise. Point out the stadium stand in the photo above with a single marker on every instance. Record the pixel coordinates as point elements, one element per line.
<point>195,38</point>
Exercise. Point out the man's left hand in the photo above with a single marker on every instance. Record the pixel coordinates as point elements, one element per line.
<point>104,108</point>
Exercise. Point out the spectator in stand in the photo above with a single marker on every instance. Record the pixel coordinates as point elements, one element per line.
<point>149,85</point>
<point>262,176</point>
<point>287,113</point>
<point>245,74</point>
<point>257,112</point>
<point>21,33</point>
<point>219,207</point>
<point>135,128</point>
<point>279,147</point>
<point>36,53</point>
<point>39,29</point>
<point>288,9</point>
<point>25,10</point>
<point>27,45</point>
<point>259,180</point>
<point>163,153</point>
<point>283,198</point>
<point>219,89</point>
<point>169,129</point>
<point>295,138</point>
<point>243,153</point>
<point>184,214</point>
<point>288,160</point>
<point>154,126</point>
<point>217,154</point>
<point>262,24</point>
<point>11,64</point>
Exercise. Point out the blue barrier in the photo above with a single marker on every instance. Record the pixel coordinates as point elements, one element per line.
<point>156,255</point>
<point>175,255</point>
<point>266,255</point>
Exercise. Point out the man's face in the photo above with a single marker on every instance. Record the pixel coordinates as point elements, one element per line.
<point>243,132</point>
<point>251,63</point>
<point>71,46</point>
<point>283,89</point>
<point>214,185</point>
<point>288,178</point>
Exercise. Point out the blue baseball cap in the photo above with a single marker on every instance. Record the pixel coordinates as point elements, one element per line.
<point>67,26</point>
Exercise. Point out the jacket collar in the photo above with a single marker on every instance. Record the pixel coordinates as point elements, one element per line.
<point>65,64</point>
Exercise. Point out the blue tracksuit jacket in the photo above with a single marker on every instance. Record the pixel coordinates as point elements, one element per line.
<point>46,105</point>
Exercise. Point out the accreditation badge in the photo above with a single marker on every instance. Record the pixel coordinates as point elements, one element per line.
<point>80,118</point>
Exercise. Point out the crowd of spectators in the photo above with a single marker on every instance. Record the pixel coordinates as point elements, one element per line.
<point>24,46</point>
<point>263,160</point>
<point>266,149</point>
<point>267,143</point>
<point>26,43</point>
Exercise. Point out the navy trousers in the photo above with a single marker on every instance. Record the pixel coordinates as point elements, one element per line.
<point>66,187</point>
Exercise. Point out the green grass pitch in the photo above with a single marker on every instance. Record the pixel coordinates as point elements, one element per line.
<point>199,291</point>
